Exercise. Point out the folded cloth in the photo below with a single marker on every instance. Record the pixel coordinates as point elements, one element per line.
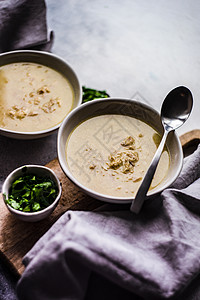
<point>23,25</point>
<point>155,254</point>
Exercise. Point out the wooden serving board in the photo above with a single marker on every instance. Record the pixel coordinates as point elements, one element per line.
<point>18,237</point>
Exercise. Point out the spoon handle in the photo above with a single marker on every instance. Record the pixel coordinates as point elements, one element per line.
<point>144,187</point>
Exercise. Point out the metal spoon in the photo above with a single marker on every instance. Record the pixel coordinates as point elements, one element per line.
<point>175,110</point>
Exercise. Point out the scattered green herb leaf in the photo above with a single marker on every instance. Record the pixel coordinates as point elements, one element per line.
<point>90,94</point>
<point>31,193</point>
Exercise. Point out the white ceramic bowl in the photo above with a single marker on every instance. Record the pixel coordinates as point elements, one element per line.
<point>49,60</point>
<point>125,107</point>
<point>37,170</point>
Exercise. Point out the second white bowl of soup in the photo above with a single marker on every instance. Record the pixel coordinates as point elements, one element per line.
<point>105,147</point>
<point>38,90</point>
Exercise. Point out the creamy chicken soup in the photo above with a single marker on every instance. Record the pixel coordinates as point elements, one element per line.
<point>33,97</point>
<point>111,153</point>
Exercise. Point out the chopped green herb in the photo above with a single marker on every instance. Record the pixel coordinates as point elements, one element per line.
<point>90,94</point>
<point>31,193</point>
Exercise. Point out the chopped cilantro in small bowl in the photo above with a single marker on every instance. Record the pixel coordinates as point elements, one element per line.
<point>31,192</point>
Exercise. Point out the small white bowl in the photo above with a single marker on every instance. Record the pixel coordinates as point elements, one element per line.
<point>125,107</point>
<point>54,62</point>
<point>37,170</point>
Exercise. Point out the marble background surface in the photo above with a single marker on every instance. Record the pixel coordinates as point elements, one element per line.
<point>136,48</point>
<point>133,48</point>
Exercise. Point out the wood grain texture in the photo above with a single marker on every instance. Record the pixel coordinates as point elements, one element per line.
<point>18,237</point>
<point>190,141</point>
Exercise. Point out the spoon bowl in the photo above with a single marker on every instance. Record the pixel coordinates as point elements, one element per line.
<point>176,107</point>
<point>175,110</point>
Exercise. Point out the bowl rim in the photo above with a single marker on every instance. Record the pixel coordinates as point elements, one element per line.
<point>101,196</point>
<point>50,55</point>
<point>40,212</point>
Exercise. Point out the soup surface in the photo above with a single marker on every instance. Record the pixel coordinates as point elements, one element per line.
<point>111,153</point>
<point>33,97</point>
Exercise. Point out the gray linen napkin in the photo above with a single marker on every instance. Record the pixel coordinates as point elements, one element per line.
<point>155,254</point>
<point>23,25</point>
